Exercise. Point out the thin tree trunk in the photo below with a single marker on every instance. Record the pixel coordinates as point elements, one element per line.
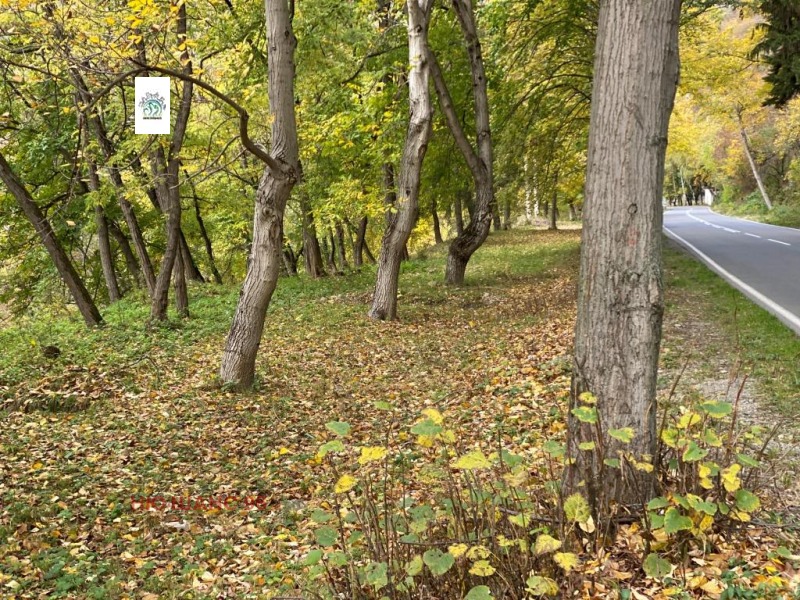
<point>312,252</point>
<point>103,244</point>
<point>528,193</point>
<point>554,207</point>
<point>507,215</point>
<point>206,239</point>
<point>63,265</point>
<point>402,221</point>
<point>437,230</point>
<point>127,252</point>
<point>749,154</point>
<point>179,281</point>
<point>368,253</point>
<point>479,160</point>
<point>620,302</point>
<point>340,247</point>
<point>361,242</point>
<point>573,214</point>
<point>239,358</point>
<point>459,214</point>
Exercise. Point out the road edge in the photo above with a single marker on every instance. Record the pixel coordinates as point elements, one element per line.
<point>787,318</point>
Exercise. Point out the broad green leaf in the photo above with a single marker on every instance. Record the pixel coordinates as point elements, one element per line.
<point>437,561</point>
<point>674,521</point>
<point>656,503</point>
<point>700,505</point>
<point>612,462</point>
<point>427,428</point>
<point>585,414</point>
<point>656,567</point>
<point>554,449</point>
<point>546,544</point>
<point>320,516</point>
<point>414,566</point>
<point>472,460</point>
<point>541,586</point>
<point>747,501</point>
<point>377,575</point>
<point>313,557</point>
<point>624,435</point>
<point>576,509</point>
<point>340,428</point>
<point>748,461</point>
<point>716,409</point>
<point>479,592</point>
<point>326,536</point>
<point>332,446</point>
<point>586,446</point>
<point>693,453</point>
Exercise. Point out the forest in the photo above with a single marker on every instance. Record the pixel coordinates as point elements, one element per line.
<point>401,304</point>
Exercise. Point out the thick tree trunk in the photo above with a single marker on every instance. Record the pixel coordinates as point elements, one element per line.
<point>65,268</point>
<point>239,358</point>
<point>480,160</point>
<point>403,219</point>
<point>437,230</point>
<point>749,154</point>
<point>289,260</point>
<point>620,303</point>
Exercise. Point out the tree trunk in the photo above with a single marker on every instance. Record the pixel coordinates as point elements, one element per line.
<point>289,260</point>
<point>749,154</point>
<point>368,253</point>
<point>554,207</point>
<point>573,214</point>
<point>103,244</point>
<point>127,252</point>
<point>620,302</point>
<point>179,281</point>
<point>479,160</point>
<point>311,253</point>
<point>403,219</point>
<point>507,215</point>
<point>437,230</point>
<point>528,193</point>
<point>65,268</point>
<point>239,358</point>
<point>497,222</point>
<point>206,240</point>
<point>340,245</point>
<point>361,242</point>
<point>459,213</point>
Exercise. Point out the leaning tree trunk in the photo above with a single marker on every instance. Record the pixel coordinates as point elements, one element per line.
<point>620,302</point>
<point>749,154</point>
<point>274,188</point>
<point>403,219</point>
<point>479,160</point>
<point>103,244</point>
<point>361,242</point>
<point>63,265</point>
<point>127,252</point>
<point>311,250</point>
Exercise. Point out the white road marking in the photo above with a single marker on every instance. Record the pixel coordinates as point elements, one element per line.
<point>752,235</point>
<point>731,230</point>
<point>778,242</point>
<point>714,225</point>
<point>779,311</point>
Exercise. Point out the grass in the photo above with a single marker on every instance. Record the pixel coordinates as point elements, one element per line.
<point>754,209</point>
<point>742,332</point>
<point>128,411</point>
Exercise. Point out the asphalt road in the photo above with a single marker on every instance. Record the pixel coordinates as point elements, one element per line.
<point>762,261</point>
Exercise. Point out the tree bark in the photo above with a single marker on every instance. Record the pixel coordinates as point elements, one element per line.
<point>620,302</point>
<point>402,220</point>
<point>361,242</point>
<point>312,253</point>
<point>340,247</point>
<point>166,173</point>
<point>204,234</point>
<point>554,207</point>
<point>127,253</point>
<point>103,244</point>
<point>480,160</point>
<point>274,188</point>
<point>459,213</point>
<point>437,230</point>
<point>63,264</point>
<point>749,154</point>
<point>507,215</point>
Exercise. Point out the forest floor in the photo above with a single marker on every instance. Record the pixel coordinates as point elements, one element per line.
<point>126,413</point>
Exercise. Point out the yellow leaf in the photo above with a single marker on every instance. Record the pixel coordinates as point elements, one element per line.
<point>36,466</point>
<point>434,415</point>
<point>730,477</point>
<point>546,543</point>
<point>482,568</point>
<point>425,441</point>
<point>478,553</point>
<point>370,454</point>
<point>345,484</point>
<point>283,451</point>
<point>566,560</point>
<point>472,460</point>
<point>457,550</point>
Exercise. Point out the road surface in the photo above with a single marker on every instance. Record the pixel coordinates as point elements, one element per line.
<point>762,261</point>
